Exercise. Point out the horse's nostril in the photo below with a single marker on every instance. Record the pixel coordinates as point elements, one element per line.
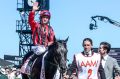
<point>63,69</point>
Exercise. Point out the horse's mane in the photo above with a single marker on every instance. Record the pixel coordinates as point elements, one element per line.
<point>54,44</point>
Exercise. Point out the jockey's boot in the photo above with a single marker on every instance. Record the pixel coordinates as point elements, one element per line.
<point>33,57</point>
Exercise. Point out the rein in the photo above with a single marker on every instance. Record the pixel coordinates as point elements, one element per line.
<point>52,63</point>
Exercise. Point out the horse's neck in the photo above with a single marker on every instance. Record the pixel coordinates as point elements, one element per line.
<point>50,67</point>
<point>51,64</point>
<point>51,57</point>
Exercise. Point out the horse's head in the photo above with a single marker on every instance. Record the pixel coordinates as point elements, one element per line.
<point>61,53</point>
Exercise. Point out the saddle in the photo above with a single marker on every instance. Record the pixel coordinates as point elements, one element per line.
<point>28,64</point>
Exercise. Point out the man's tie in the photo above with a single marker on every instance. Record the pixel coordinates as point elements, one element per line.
<point>102,58</point>
<point>87,54</point>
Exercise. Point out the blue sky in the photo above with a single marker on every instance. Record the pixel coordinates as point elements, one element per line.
<point>69,18</point>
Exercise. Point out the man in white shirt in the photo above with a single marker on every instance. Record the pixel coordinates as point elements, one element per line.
<point>104,60</point>
<point>109,63</point>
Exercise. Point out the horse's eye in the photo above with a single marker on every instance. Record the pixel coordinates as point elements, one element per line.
<point>65,45</point>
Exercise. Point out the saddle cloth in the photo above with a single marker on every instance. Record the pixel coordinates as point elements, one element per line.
<point>38,50</point>
<point>25,67</point>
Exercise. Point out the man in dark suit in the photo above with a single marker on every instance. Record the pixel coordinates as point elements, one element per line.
<point>109,63</point>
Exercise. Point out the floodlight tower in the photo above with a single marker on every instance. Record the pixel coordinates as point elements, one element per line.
<point>22,26</point>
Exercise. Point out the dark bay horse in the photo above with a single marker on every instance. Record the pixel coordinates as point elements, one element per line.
<point>55,59</point>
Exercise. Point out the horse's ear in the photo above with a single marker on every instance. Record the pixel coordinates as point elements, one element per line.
<point>66,39</point>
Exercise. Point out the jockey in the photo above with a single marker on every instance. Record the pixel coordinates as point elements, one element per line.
<point>42,32</point>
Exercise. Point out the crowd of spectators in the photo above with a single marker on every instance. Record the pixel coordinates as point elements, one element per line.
<point>10,73</point>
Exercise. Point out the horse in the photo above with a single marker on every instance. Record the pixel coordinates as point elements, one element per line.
<point>55,60</point>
